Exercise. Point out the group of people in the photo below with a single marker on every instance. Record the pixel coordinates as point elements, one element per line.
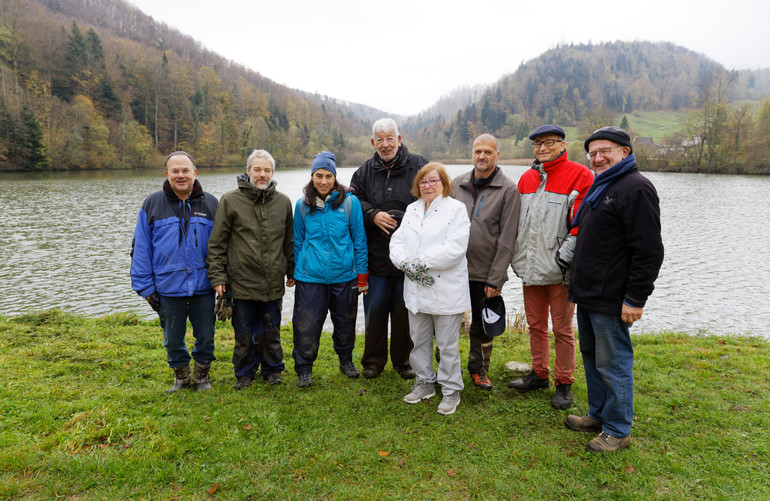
<point>423,249</point>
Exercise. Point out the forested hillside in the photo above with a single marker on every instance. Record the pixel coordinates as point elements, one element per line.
<point>98,84</point>
<point>587,86</point>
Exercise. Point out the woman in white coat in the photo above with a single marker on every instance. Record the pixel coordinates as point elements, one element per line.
<point>429,247</point>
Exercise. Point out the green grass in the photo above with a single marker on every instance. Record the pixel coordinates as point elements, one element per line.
<point>83,415</point>
<point>657,124</point>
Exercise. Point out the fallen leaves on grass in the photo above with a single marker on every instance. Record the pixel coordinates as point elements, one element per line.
<point>212,489</point>
<point>451,472</point>
<point>630,469</point>
<point>384,453</point>
<point>247,427</point>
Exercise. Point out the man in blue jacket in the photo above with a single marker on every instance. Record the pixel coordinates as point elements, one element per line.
<point>617,257</point>
<point>168,267</point>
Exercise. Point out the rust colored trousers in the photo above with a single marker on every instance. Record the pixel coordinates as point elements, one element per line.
<point>539,301</point>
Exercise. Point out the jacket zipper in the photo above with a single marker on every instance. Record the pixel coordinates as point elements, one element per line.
<point>478,210</point>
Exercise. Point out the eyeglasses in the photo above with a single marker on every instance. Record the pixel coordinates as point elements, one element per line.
<point>432,182</point>
<point>604,152</point>
<point>548,143</point>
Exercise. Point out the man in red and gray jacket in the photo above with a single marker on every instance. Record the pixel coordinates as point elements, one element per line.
<point>551,192</point>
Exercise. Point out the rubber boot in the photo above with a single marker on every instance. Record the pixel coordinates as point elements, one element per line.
<point>201,377</point>
<point>181,379</point>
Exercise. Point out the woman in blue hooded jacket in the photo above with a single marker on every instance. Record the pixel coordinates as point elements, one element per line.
<point>331,268</point>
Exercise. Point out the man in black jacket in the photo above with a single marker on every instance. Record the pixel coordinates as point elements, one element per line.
<point>618,254</point>
<point>383,185</point>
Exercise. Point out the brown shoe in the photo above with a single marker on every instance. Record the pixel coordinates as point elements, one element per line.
<point>583,423</point>
<point>607,443</point>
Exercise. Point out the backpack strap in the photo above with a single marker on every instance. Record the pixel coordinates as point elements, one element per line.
<point>347,205</point>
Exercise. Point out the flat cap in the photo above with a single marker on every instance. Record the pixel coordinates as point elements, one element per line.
<point>611,133</point>
<point>544,130</point>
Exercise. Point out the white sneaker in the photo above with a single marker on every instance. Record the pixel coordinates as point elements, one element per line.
<point>449,403</point>
<point>421,390</point>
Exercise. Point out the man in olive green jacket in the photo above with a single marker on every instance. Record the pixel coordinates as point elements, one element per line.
<point>251,250</point>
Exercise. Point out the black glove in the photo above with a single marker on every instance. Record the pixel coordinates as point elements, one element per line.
<point>224,307</point>
<point>563,265</point>
<point>154,300</point>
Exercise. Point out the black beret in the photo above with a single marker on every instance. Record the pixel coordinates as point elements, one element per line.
<point>544,130</point>
<point>611,133</point>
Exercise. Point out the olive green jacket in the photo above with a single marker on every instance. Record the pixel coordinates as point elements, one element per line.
<point>251,248</point>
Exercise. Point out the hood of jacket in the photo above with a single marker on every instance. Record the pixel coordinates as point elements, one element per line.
<point>254,193</point>
<point>197,190</point>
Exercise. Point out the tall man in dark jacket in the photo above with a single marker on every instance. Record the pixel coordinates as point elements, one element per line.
<point>493,203</point>
<point>618,254</point>
<point>168,267</point>
<point>250,252</point>
<point>383,185</point>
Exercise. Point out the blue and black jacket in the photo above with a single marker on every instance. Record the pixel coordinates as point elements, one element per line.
<point>168,254</point>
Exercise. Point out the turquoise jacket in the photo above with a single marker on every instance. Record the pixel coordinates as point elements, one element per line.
<point>329,245</point>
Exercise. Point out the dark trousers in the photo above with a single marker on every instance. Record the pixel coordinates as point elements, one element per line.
<point>311,304</point>
<point>173,314</point>
<point>480,344</point>
<point>257,326</point>
<point>386,299</point>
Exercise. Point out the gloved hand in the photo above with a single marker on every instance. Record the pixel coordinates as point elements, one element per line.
<point>154,300</point>
<point>362,281</point>
<point>415,270</point>
<point>563,265</point>
<point>224,307</point>
<point>412,266</point>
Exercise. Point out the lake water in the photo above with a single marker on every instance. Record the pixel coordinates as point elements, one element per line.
<point>65,242</point>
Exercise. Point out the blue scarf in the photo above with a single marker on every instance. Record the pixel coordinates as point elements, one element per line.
<point>602,182</point>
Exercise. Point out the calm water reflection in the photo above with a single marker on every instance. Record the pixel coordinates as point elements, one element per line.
<point>66,238</point>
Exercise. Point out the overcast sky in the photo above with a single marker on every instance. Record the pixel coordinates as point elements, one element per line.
<point>402,56</point>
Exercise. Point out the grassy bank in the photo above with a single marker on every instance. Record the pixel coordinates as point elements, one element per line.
<point>84,416</point>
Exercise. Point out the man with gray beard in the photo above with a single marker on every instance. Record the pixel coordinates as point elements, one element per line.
<point>251,250</point>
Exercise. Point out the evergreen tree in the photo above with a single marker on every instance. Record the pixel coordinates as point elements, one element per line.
<point>624,123</point>
<point>31,149</point>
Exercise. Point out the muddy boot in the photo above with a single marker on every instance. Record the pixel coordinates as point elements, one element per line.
<point>181,379</point>
<point>201,377</point>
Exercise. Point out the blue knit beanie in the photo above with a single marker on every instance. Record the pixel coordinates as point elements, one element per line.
<point>325,160</point>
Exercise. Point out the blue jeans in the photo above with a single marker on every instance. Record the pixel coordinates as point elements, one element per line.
<point>173,314</point>
<point>311,304</point>
<point>608,359</point>
<point>386,299</point>
<point>257,328</point>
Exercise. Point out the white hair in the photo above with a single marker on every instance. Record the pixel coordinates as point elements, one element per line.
<point>260,154</point>
<point>384,125</point>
